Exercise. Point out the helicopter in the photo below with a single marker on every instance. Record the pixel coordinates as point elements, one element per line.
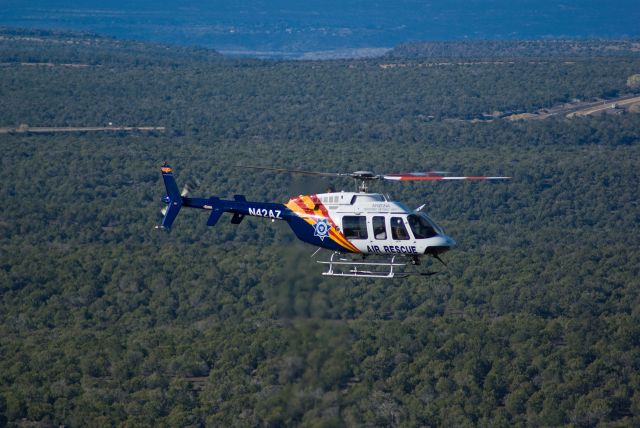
<point>385,236</point>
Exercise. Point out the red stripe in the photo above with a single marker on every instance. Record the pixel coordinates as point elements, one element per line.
<point>412,178</point>
<point>323,209</point>
<point>334,232</point>
<point>339,236</point>
<point>435,178</point>
<point>300,203</point>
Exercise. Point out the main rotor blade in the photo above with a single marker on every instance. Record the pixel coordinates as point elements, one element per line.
<point>296,171</point>
<point>432,176</point>
<point>368,175</point>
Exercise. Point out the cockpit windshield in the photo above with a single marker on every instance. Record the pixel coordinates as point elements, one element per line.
<point>422,226</point>
<point>435,225</point>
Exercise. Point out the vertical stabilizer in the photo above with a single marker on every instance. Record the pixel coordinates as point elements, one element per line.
<point>173,198</point>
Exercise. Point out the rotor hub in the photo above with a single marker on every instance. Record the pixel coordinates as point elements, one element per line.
<point>364,175</point>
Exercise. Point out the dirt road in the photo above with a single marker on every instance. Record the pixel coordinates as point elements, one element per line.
<point>47,129</point>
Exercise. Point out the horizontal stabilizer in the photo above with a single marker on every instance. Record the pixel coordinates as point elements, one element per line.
<point>216,213</point>
<point>237,218</point>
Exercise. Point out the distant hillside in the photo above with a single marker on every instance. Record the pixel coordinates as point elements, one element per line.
<point>291,28</point>
<point>517,48</point>
<point>24,45</point>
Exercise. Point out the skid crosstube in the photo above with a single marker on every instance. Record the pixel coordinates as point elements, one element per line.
<point>354,268</point>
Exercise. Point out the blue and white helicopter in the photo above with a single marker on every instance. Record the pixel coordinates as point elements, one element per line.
<point>386,235</point>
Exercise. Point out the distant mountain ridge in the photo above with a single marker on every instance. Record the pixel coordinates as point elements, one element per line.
<point>290,28</point>
<point>30,45</point>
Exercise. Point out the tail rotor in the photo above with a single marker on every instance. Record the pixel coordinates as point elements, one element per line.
<point>190,186</point>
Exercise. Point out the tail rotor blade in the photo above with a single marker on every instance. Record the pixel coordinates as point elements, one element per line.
<point>189,187</point>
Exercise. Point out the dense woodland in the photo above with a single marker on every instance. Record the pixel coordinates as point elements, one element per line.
<point>105,321</point>
<point>543,48</point>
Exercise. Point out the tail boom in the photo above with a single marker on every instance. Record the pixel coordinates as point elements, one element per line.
<point>239,206</point>
<point>302,224</point>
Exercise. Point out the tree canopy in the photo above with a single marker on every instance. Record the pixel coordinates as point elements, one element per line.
<point>105,321</point>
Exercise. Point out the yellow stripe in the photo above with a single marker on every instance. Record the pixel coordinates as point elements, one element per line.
<point>337,236</point>
<point>341,240</point>
<point>334,234</point>
<point>308,202</point>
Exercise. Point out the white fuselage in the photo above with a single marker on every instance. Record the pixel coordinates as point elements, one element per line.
<point>376,225</point>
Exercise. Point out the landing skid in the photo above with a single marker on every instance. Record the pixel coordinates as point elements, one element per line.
<point>374,269</point>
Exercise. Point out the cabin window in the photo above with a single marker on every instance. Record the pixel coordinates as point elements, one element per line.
<point>379,228</point>
<point>373,197</point>
<point>421,227</point>
<point>398,229</point>
<point>354,227</point>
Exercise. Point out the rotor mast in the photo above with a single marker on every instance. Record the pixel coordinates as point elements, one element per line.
<point>363,177</point>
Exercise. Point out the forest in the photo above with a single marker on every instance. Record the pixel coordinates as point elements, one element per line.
<point>105,321</point>
<point>542,48</point>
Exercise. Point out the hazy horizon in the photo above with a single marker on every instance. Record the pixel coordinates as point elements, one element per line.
<point>288,28</point>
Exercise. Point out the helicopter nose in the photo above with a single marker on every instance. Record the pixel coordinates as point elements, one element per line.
<point>441,245</point>
<point>445,241</point>
<point>449,242</point>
